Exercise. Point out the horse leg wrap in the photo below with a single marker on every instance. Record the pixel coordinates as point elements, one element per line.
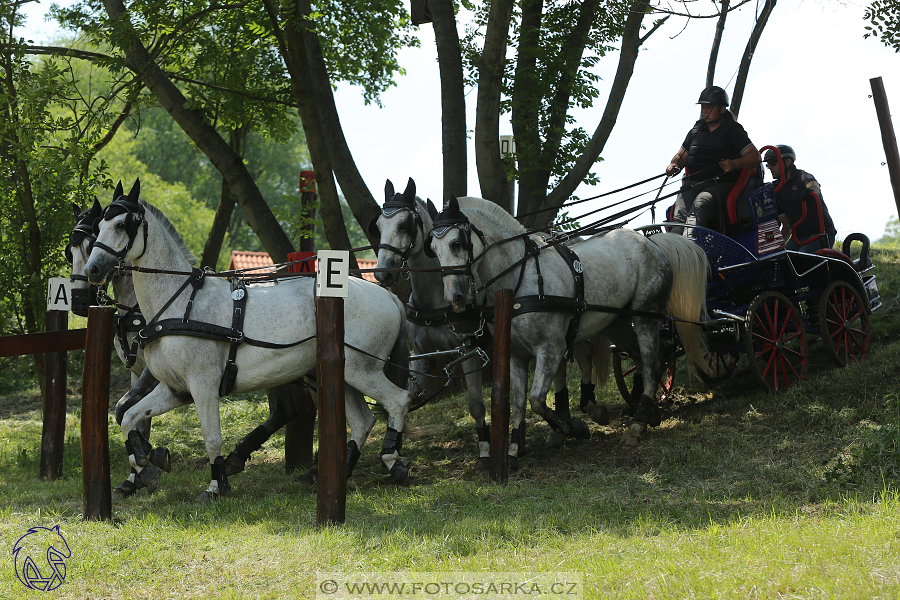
<point>587,396</point>
<point>557,422</point>
<point>253,441</point>
<point>393,441</point>
<point>353,455</point>
<point>138,447</point>
<point>648,412</point>
<point>311,476</point>
<point>484,447</point>
<point>221,477</point>
<point>561,404</point>
<point>637,389</point>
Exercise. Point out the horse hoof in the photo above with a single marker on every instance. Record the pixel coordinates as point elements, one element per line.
<point>150,476</point>
<point>309,478</point>
<point>124,490</point>
<point>234,464</point>
<point>579,430</point>
<point>598,414</point>
<point>207,496</point>
<point>400,474</point>
<point>632,436</point>
<point>555,439</point>
<point>483,463</point>
<point>160,458</point>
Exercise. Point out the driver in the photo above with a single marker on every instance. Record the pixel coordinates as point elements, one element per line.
<point>714,152</point>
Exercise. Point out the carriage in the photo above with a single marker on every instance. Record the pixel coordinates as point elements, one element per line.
<point>766,301</point>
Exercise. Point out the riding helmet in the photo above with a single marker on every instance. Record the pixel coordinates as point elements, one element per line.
<point>713,95</point>
<point>786,152</point>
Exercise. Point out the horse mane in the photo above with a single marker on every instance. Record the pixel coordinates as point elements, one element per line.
<point>492,212</point>
<point>170,229</point>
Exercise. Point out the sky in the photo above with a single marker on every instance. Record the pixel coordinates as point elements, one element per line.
<point>809,87</point>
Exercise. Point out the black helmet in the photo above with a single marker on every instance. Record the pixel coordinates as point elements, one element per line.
<point>713,95</point>
<point>786,152</point>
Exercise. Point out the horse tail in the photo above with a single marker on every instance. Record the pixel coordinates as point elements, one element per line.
<point>397,367</point>
<point>690,268</point>
<point>600,360</point>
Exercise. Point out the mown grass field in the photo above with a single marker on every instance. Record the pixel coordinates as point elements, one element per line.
<point>738,494</point>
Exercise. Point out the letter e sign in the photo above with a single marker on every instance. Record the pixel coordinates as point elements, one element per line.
<point>333,274</point>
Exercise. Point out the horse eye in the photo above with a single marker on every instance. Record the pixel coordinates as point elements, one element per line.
<point>455,245</point>
<point>120,226</point>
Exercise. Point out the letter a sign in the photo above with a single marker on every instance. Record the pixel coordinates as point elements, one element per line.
<point>334,273</point>
<point>59,294</point>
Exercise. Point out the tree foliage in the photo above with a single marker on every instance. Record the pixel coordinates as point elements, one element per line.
<point>884,16</point>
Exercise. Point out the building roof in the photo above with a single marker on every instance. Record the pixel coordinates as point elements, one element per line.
<point>242,260</point>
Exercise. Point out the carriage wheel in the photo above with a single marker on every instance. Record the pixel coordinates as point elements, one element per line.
<point>775,341</point>
<point>624,367</point>
<point>844,324</point>
<point>721,366</point>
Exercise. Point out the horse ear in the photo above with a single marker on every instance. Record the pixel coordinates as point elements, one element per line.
<point>135,190</point>
<point>77,211</point>
<point>374,232</point>
<point>410,193</point>
<point>388,189</point>
<point>426,248</point>
<point>432,209</point>
<point>453,204</point>
<point>119,192</point>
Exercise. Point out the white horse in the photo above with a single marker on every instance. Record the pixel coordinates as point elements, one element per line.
<point>432,326</point>
<point>628,279</point>
<point>128,323</point>
<point>274,343</point>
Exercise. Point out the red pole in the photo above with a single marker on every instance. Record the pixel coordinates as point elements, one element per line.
<point>503,302</point>
<point>332,483</point>
<point>53,436</point>
<point>95,414</point>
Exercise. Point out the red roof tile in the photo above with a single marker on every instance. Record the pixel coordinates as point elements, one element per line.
<point>242,260</point>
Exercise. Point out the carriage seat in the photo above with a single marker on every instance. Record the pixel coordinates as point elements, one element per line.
<point>737,206</point>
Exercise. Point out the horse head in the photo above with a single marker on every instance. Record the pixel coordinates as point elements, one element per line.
<point>116,231</point>
<point>400,230</point>
<point>81,241</point>
<point>452,243</point>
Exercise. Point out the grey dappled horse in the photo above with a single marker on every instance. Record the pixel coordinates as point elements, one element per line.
<point>274,345</point>
<point>401,228</point>
<point>623,270</point>
<point>128,322</point>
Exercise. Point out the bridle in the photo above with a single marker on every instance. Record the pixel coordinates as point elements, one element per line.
<point>413,222</point>
<point>134,218</point>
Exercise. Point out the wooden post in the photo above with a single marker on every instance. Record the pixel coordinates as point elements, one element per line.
<point>503,302</point>
<point>332,484</point>
<point>298,434</point>
<point>94,414</point>
<point>53,436</point>
<point>888,139</point>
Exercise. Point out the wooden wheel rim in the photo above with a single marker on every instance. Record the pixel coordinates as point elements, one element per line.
<point>844,324</point>
<point>775,341</point>
<point>666,381</point>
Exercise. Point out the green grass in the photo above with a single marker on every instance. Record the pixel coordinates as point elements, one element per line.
<point>738,494</point>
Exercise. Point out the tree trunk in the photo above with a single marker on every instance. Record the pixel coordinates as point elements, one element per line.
<point>362,203</point>
<point>293,51</point>
<point>631,43</point>
<point>526,105</point>
<point>491,176</point>
<point>744,69</point>
<point>213,246</point>
<point>533,182</point>
<point>258,214</point>
<point>717,40</point>
<point>453,100</point>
